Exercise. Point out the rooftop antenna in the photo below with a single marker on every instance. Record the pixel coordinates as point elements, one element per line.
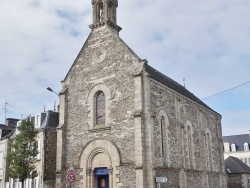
<point>184,82</point>
<point>54,105</point>
<point>5,109</point>
<point>44,108</point>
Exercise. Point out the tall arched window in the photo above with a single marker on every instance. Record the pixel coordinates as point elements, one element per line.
<point>190,149</point>
<point>100,108</point>
<point>162,136</point>
<point>233,147</point>
<point>208,147</point>
<point>100,12</point>
<point>246,146</point>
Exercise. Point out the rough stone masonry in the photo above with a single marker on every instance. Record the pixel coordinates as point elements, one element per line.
<point>151,126</point>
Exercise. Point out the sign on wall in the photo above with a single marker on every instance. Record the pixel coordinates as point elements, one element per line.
<point>161,179</point>
<point>71,177</point>
<point>101,171</point>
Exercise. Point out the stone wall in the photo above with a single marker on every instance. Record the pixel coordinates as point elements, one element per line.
<point>114,71</point>
<point>50,157</point>
<point>126,176</point>
<point>182,111</point>
<point>194,179</point>
<point>214,180</point>
<point>234,181</point>
<point>172,175</point>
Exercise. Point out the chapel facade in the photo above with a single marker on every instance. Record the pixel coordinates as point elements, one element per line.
<point>123,124</point>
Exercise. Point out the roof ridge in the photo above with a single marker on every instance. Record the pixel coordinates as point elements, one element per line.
<point>168,77</point>
<point>236,135</point>
<point>164,79</point>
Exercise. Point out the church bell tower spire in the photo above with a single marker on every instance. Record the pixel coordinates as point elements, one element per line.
<point>104,12</point>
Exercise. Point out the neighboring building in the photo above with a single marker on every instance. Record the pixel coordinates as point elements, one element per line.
<point>6,131</point>
<point>46,124</point>
<point>238,173</point>
<point>123,123</point>
<point>237,146</point>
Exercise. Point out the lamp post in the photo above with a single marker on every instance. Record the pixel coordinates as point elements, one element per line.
<point>51,90</point>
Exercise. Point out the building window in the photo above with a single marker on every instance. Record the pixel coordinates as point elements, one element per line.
<point>37,121</point>
<point>208,144</point>
<point>162,136</point>
<point>100,108</point>
<point>18,125</point>
<point>38,142</point>
<point>246,146</point>
<point>100,11</point>
<point>233,147</point>
<point>190,143</point>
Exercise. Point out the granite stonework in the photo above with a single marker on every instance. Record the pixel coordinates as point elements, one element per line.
<point>180,110</point>
<point>150,130</point>
<point>116,73</point>
<point>50,158</point>
<point>234,181</point>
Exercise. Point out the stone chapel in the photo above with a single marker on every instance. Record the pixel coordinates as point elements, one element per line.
<point>124,124</point>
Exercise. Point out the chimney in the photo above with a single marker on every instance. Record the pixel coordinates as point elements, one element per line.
<point>11,122</point>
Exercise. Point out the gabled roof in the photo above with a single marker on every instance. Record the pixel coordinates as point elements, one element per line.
<point>86,44</point>
<point>174,85</point>
<point>238,140</point>
<point>235,166</point>
<point>5,130</point>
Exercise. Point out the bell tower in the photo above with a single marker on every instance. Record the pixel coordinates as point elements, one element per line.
<point>104,12</point>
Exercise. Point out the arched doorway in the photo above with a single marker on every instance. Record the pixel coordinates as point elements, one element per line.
<point>98,160</point>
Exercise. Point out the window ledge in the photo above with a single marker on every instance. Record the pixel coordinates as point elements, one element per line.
<point>99,128</point>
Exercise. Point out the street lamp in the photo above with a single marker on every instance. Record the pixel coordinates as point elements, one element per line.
<point>51,90</point>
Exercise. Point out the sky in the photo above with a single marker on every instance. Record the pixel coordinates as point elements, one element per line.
<point>205,42</point>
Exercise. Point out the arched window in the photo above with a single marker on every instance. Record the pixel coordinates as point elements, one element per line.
<point>162,135</point>
<point>190,149</point>
<point>100,12</point>
<point>233,147</point>
<point>100,108</point>
<point>208,151</point>
<point>246,146</point>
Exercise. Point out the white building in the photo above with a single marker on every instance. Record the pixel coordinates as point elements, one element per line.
<point>46,124</point>
<point>237,146</point>
<point>5,133</point>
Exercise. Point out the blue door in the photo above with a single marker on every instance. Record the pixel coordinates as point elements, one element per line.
<point>103,181</point>
<point>102,175</point>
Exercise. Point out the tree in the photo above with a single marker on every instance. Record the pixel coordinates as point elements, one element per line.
<point>23,153</point>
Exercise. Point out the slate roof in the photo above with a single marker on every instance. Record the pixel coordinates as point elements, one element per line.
<point>234,165</point>
<point>5,130</point>
<point>174,85</point>
<point>10,134</point>
<point>238,140</point>
<point>50,119</point>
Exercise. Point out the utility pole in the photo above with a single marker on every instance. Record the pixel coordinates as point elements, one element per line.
<point>5,110</point>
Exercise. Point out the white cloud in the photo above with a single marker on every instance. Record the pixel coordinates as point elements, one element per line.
<point>207,42</point>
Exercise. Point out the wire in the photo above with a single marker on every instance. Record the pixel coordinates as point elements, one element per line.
<point>226,90</point>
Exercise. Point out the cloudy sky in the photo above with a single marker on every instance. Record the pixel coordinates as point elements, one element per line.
<point>205,42</point>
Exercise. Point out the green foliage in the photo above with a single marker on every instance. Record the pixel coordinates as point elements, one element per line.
<point>23,153</point>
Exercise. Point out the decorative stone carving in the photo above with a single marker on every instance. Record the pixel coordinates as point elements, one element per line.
<point>99,55</point>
